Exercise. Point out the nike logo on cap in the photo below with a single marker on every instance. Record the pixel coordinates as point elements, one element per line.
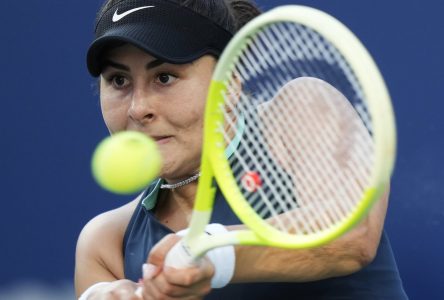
<point>117,17</point>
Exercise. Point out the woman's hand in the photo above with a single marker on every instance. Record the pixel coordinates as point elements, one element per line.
<point>162,282</point>
<point>116,290</point>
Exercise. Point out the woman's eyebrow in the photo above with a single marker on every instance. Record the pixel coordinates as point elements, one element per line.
<point>154,64</point>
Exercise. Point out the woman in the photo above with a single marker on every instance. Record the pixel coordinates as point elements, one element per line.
<point>155,59</point>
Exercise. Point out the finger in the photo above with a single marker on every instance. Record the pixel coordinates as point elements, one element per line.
<point>204,271</point>
<point>129,295</point>
<point>118,294</point>
<point>159,251</point>
<point>150,271</point>
<point>151,291</point>
<point>160,288</point>
<point>186,282</point>
<point>164,287</point>
<point>139,291</point>
<point>121,290</point>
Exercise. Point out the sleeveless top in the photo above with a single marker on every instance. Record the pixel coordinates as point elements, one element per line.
<point>379,280</point>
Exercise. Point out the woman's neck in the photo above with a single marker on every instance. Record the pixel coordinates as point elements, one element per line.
<point>175,206</point>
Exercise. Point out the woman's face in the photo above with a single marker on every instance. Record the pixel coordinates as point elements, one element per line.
<point>164,101</point>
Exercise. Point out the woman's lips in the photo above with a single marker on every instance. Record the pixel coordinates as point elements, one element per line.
<point>160,140</point>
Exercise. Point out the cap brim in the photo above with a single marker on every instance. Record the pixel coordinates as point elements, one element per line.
<point>157,40</point>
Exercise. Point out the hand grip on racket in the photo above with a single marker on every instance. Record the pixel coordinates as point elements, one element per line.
<point>308,122</point>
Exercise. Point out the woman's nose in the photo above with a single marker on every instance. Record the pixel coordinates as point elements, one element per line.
<point>142,109</point>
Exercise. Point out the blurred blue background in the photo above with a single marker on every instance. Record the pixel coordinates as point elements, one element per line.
<point>50,123</point>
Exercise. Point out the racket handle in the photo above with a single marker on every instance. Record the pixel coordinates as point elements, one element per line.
<point>179,257</point>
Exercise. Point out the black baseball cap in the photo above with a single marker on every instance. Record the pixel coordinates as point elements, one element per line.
<point>163,28</point>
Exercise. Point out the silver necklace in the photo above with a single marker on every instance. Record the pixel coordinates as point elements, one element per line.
<point>180,183</point>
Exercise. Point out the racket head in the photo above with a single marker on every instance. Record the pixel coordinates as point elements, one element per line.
<point>298,50</point>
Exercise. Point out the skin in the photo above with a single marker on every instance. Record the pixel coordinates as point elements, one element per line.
<point>166,102</point>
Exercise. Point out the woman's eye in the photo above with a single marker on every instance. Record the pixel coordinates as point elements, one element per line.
<point>165,78</point>
<point>119,81</point>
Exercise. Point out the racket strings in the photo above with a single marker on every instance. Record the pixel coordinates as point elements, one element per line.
<point>293,152</point>
<point>281,209</point>
<point>286,37</point>
<point>315,162</point>
<point>337,212</point>
<point>276,58</point>
<point>256,156</point>
<point>329,129</point>
<point>311,174</point>
<point>317,41</point>
<point>289,165</point>
<point>332,55</point>
<point>281,205</point>
<point>276,205</point>
<point>304,38</point>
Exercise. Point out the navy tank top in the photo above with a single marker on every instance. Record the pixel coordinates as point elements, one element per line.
<point>379,280</point>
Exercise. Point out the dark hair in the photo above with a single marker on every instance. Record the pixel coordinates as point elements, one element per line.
<point>229,14</point>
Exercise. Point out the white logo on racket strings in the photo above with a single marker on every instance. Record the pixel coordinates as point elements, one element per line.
<point>117,17</point>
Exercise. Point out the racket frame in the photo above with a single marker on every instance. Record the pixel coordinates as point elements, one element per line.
<point>215,163</point>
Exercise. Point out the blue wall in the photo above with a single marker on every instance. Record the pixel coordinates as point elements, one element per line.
<point>50,123</point>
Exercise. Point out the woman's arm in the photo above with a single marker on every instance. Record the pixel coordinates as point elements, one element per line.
<point>99,256</point>
<point>344,256</point>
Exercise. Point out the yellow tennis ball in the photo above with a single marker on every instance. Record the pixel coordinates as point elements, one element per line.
<point>126,162</point>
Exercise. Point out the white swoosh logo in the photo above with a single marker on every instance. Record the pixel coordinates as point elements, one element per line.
<point>117,17</point>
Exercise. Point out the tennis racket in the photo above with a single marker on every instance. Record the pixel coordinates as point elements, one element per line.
<point>307,119</point>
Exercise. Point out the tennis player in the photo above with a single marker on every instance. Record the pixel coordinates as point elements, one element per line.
<point>154,60</point>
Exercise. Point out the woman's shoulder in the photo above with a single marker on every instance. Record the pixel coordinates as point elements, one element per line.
<point>113,221</point>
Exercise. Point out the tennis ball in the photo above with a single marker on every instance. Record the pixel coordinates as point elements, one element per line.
<point>125,162</point>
